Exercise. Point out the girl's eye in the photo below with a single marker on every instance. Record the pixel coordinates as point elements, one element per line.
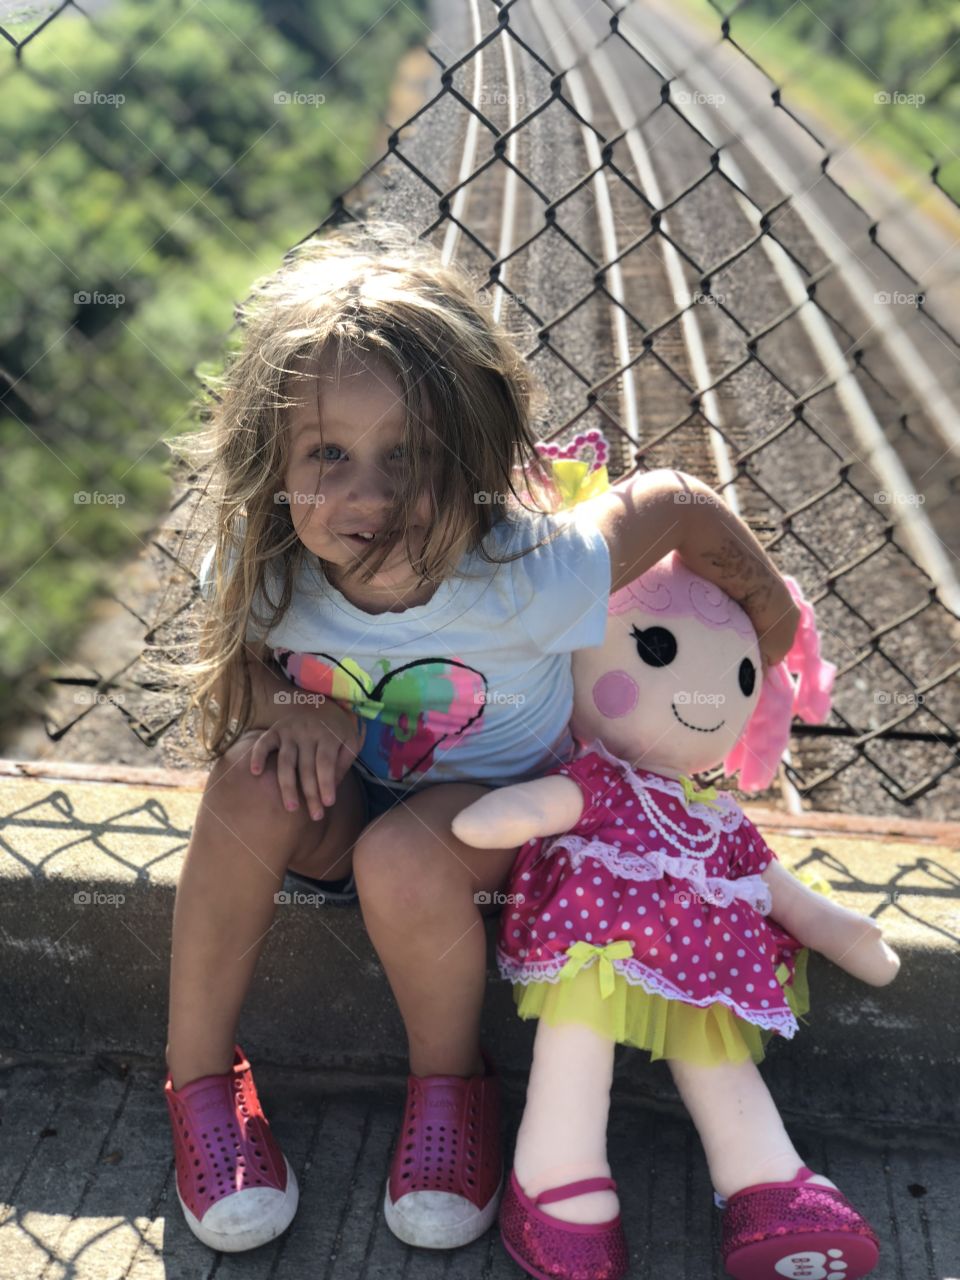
<point>325,452</point>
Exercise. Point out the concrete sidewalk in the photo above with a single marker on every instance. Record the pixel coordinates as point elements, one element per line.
<point>87,1177</point>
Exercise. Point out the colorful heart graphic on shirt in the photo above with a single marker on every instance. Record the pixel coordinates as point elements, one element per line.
<point>413,710</point>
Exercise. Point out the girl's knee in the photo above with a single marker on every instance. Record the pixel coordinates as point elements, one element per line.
<point>230,764</point>
<point>232,788</point>
<point>395,866</point>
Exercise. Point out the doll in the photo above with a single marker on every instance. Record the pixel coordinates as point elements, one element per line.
<point>644,910</point>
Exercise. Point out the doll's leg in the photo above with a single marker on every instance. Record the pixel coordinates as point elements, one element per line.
<point>742,1134</point>
<point>563,1134</point>
<point>848,938</point>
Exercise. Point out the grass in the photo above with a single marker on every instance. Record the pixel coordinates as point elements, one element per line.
<point>903,141</point>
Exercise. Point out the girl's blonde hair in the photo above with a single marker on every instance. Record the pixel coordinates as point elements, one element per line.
<point>370,290</point>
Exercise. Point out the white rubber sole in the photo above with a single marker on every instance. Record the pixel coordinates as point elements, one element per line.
<point>438,1219</point>
<point>248,1218</point>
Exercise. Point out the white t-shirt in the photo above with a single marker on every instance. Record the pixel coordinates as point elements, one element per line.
<point>474,685</point>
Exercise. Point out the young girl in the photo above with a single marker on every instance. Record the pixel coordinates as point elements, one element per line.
<point>372,548</point>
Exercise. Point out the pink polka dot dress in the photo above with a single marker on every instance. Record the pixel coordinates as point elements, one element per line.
<point>677,878</point>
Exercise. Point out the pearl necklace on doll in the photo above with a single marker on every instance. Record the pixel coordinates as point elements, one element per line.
<point>721,817</point>
<point>668,830</point>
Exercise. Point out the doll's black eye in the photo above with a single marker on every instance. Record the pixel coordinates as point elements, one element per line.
<point>747,675</point>
<point>656,646</point>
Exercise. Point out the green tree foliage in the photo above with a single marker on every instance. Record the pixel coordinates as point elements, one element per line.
<point>907,48</point>
<point>149,173</point>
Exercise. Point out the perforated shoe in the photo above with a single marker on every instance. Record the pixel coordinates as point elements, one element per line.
<point>235,1186</point>
<point>447,1170</point>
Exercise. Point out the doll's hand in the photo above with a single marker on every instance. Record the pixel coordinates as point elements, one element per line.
<point>502,819</point>
<point>848,938</point>
<point>510,816</point>
<point>857,945</point>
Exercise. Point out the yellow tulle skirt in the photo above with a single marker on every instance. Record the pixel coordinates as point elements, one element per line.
<point>666,1028</point>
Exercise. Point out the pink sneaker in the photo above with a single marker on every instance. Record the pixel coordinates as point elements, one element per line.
<point>446,1172</point>
<point>795,1231</point>
<point>235,1186</point>
<point>551,1249</point>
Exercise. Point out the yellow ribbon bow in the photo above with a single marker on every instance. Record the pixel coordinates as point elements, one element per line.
<point>707,795</point>
<point>576,482</point>
<point>581,952</point>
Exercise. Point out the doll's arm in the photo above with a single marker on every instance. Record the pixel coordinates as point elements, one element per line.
<point>848,938</point>
<point>510,816</point>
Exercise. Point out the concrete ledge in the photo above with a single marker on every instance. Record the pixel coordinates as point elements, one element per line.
<point>87,885</point>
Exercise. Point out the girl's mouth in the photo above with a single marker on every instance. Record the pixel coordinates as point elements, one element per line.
<point>361,539</point>
<point>369,538</point>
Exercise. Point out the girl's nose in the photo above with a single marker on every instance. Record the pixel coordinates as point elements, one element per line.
<point>370,485</point>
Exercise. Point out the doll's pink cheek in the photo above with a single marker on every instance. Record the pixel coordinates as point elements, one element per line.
<point>615,694</point>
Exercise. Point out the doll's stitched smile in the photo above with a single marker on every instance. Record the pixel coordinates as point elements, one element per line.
<point>697,727</point>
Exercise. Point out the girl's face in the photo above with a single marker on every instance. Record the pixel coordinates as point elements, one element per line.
<point>344,486</point>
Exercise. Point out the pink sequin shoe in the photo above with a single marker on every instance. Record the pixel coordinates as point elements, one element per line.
<point>446,1173</point>
<point>796,1231</point>
<point>235,1186</point>
<point>551,1249</point>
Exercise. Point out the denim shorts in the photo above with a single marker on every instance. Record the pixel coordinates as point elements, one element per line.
<point>379,797</point>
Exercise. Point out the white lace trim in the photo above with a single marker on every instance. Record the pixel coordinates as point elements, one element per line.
<point>639,975</point>
<point>717,891</point>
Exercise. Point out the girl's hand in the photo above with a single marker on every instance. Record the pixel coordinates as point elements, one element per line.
<point>646,515</point>
<point>775,617</point>
<point>315,744</point>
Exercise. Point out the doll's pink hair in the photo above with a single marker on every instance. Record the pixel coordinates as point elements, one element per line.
<point>669,588</point>
<point>757,752</point>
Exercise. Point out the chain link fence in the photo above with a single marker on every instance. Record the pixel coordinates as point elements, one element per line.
<point>702,273</point>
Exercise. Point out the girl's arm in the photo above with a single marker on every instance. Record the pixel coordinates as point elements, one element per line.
<point>645,516</point>
<point>272,692</point>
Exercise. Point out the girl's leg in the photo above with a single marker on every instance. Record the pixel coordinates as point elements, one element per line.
<point>563,1134</point>
<point>742,1134</point>
<point>242,841</point>
<point>421,893</point>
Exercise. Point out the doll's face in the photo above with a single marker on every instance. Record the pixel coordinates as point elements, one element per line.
<point>666,691</point>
